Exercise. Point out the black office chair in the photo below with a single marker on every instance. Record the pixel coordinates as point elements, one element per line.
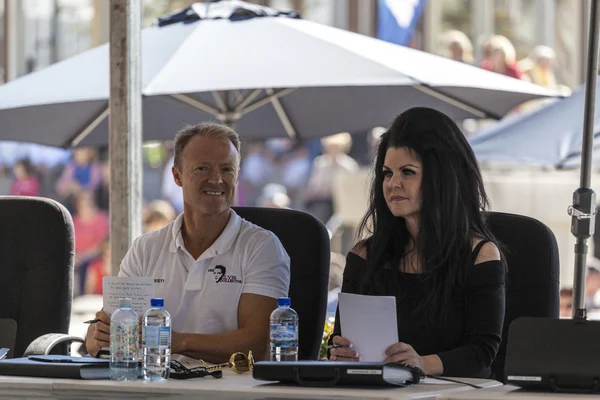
<point>306,241</point>
<point>533,279</point>
<point>36,272</point>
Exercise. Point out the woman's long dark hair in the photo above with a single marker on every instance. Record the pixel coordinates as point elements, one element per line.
<point>452,201</point>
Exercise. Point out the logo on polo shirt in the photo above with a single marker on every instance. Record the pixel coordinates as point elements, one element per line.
<point>220,274</point>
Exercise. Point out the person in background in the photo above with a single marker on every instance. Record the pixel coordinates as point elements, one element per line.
<point>274,195</point>
<point>592,286</point>
<point>539,67</point>
<point>486,52</point>
<point>102,193</point>
<point>566,303</point>
<point>319,189</point>
<point>170,191</point>
<point>83,173</point>
<point>427,244</point>
<point>503,58</point>
<point>372,143</point>
<point>256,171</point>
<point>158,214</point>
<point>98,269</point>
<point>25,182</point>
<point>458,46</point>
<point>91,231</point>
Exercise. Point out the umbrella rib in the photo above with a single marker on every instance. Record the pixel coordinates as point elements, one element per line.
<point>266,100</point>
<point>88,129</point>
<point>283,117</point>
<point>220,102</point>
<point>452,101</point>
<point>196,104</point>
<point>247,100</point>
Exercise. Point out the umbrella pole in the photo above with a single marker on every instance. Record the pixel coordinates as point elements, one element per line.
<point>583,209</point>
<point>125,128</point>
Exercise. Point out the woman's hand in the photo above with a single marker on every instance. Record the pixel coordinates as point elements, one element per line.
<point>342,350</point>
<point>403,353</point>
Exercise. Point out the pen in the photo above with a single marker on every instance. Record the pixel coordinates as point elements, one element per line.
<point>91,321</point>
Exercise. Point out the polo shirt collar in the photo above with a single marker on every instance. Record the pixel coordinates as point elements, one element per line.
<point>220,246</point>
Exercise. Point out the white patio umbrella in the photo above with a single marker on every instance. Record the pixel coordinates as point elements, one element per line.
<point>270,76</point>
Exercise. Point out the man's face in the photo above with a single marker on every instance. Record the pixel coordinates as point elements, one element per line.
<point>208,175</point>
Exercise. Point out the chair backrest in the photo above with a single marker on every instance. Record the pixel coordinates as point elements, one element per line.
<point>36,267</point>
<point>306,241</point>
<point>533,279</point>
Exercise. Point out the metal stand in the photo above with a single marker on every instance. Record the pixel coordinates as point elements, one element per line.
<point>583,209</point>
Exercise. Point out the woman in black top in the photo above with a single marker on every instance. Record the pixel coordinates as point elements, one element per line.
<point>428,245</point>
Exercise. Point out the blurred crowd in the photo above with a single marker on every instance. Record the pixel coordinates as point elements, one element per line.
<point>498,54</point>
<point>280,173</point>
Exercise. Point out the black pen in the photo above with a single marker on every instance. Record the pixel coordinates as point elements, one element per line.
<point>91,321</point>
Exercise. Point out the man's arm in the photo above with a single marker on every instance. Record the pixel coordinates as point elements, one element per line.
<point>98,334</point>
<point>253,313</point>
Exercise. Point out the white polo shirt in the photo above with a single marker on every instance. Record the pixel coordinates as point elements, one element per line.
<point>202,295</point>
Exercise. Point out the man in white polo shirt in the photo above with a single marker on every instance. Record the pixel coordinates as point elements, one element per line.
<point>219,274</point>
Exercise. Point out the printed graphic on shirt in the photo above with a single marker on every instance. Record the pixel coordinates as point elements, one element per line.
<point>220,275</point>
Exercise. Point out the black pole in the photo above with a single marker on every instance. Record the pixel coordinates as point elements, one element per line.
<point>583,209</point>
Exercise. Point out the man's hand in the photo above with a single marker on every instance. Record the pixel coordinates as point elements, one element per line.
<point>98,335</point>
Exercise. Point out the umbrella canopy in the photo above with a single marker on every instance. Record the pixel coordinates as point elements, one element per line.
<point>548,136</point>
<point>271,75</point>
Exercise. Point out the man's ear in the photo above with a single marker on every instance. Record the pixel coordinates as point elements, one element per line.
<point>176,176</point>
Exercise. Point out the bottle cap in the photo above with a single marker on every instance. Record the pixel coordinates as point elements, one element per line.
<point>284,301</point>
<point>157,302</point>
<point>125,302</point>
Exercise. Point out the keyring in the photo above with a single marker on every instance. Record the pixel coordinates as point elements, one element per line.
<point>238,363</point>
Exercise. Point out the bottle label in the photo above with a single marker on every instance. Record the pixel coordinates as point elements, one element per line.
<point>284,335</point>
<point>124,340</point>
<point>157,337</point>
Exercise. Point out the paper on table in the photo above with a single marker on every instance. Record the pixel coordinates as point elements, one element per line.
<point>139,290</point>
<point>369,322</point>
<point>433,381</point>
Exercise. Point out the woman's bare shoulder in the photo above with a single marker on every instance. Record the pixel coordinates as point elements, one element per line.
<point>488,252</point>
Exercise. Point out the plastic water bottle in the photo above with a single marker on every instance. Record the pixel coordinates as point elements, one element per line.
<point>124,343</point>
<point>156,341</point>
<point>284,332</point>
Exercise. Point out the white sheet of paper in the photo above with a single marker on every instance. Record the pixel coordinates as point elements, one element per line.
<point>370,323</point>
<point>433,381</point>
<point>139,290</point>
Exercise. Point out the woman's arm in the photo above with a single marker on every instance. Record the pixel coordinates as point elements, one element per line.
<point>484,317</point>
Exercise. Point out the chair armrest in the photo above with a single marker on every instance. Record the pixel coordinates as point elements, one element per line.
<point>45,343</point>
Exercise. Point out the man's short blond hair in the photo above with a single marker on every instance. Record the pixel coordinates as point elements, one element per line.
<point>205,129</point>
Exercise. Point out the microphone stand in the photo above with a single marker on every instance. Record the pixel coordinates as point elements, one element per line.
<point>583,209</point>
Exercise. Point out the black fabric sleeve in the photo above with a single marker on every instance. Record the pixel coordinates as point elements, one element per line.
<point>484,316</point>
<point>353,273</point>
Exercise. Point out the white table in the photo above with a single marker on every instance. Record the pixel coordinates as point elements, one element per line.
<point>231,386</point>
<point>509,392</point>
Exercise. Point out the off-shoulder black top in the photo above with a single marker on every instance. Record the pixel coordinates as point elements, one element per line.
<point>468,340</point>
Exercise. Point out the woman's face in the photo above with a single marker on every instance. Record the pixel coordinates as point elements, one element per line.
<point>402,175</point>
<point>19,171</point>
